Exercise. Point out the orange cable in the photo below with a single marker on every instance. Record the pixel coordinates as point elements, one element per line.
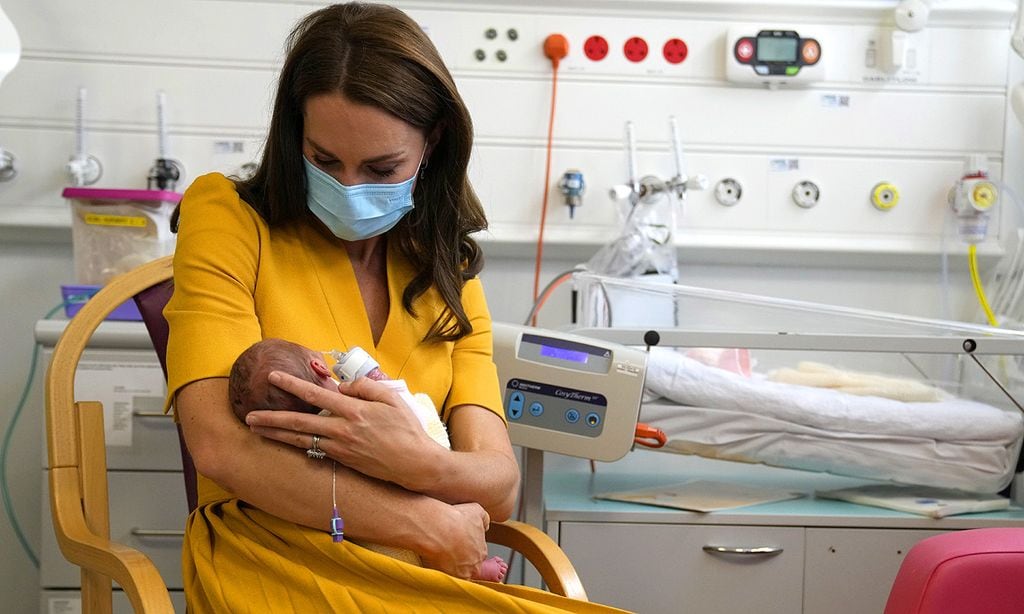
<point>547,183</point>
<point>544,298</point>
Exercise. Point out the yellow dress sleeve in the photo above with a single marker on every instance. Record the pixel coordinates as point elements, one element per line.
<point>474,376</point>
<point>211,314</point>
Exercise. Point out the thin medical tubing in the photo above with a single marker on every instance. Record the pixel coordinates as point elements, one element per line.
<point>8,433</point>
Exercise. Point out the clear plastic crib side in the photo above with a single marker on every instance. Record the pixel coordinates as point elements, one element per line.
<point>761,377</point>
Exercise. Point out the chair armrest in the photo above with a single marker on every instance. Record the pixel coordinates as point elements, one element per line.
<point>543,553</point>
<point>128,567</point>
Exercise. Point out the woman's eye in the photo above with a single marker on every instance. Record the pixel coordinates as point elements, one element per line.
<point>324,161</point>
<point>383,173</point>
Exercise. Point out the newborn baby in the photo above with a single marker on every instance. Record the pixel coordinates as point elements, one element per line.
<point>248,390</point>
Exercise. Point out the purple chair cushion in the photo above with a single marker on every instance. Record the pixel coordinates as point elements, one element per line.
<point>151,302</point>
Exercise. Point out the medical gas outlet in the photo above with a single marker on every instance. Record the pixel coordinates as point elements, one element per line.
<point>884,196</point>
<point>806,194</point>
<point>728,192</point>
<point>649,189</point>
<point>972,199</point>
<point>772,57</point>
<point>572,187</point>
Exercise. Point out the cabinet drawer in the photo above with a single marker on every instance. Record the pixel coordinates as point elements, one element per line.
<point>130,384</point>
<point>655,568</point>
<point>147,512</point>
<point>850,571</point>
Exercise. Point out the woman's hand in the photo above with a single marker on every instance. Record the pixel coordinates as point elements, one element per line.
<point>460,545</point>
<point>369,430</point>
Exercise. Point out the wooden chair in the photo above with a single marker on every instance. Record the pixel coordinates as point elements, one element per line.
<point>76,450</point>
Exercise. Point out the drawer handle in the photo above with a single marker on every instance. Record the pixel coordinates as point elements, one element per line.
<point>151,414</point>
<point>758,551</point>
<point>161,533</point>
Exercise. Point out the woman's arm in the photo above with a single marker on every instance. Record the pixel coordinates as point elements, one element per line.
<point>481,466</point>
<point>279,479</point>
<point>371,432</point>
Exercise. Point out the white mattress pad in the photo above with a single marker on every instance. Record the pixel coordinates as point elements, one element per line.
<point>955,444</point>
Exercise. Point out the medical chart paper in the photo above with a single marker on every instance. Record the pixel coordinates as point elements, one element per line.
<point>701,496</point>
<point>923,500</point>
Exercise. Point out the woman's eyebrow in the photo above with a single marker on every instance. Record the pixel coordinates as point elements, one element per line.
<point>380,158</point>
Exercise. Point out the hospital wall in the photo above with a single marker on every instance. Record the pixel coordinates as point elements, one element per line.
<point>858,126</point>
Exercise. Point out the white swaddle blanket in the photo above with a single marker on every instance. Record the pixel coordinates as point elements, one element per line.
<point>956,443</point>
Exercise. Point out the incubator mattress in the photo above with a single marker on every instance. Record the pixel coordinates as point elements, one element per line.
<point>718,414</point>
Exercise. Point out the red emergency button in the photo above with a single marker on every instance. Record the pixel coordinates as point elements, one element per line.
<point>744,50</point>
<point>811,51</point>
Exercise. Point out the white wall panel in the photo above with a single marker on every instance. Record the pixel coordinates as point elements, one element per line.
<point>147,30</point>
<point>217,61</point>
<point>722,116</point>
<point>123,97</point>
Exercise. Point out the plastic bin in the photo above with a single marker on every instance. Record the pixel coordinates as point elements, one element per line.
<point>74,296</point>
<point>114,231</point>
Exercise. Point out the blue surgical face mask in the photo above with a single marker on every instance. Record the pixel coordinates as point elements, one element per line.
<point>357,212</point>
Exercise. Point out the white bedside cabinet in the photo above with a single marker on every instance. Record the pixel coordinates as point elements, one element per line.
<point>823,556</point>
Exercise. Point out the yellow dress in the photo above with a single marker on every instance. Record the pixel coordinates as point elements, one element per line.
<point>236,282</point>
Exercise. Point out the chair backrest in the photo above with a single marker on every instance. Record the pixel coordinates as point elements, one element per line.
<point>962,572</point>
<point>76,451</point>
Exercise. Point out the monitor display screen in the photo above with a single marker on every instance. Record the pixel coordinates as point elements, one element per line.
<point>564,354</point>
<point>775,49</point>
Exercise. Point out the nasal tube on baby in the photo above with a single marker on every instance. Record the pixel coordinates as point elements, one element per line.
<point>354,364</point>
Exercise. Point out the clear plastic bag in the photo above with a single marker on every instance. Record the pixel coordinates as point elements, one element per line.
<point>646,244</point>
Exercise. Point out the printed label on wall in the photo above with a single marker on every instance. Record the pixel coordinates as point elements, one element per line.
<point>781,165</point>
<point>64,605</point>
<point>835,101</point>
<point>120,386</point>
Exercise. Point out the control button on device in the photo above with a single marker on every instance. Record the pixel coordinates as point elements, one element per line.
<point>572,416</point>
<point>515,405</point>
<point>792,70</point>
<point>744,50</point>
<point>810,52</point>
<point>536,408</point>
<point>761,70</point>
<point>593,419</point>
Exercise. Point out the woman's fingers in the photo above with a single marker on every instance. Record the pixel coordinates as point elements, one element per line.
<point>307,391</point>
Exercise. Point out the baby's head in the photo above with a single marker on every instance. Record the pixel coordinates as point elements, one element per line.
<point>248,388</point>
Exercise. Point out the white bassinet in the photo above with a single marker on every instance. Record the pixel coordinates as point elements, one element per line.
<point>970,438</point>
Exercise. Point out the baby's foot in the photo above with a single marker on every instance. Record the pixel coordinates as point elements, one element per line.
<point>493,569</point>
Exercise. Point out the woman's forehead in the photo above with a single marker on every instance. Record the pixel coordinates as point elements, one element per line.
<point>335,122</point>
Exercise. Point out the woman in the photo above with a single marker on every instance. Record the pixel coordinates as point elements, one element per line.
<point>353,231</point>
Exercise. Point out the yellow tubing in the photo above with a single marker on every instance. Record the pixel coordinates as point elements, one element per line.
<point>972,256</point>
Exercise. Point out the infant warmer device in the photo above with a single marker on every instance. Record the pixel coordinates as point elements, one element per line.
<point>114,231</point>
<point>569,394</point>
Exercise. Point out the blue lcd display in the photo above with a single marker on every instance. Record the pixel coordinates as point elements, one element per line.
<point>564,354</point>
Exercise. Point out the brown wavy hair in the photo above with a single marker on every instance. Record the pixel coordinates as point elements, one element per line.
<point>377,55</point>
